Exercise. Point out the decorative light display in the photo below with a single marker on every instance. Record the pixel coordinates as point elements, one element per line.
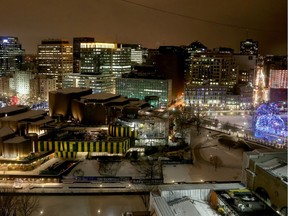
<point>268,121</point>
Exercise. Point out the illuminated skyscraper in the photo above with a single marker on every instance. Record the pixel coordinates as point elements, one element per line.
<point>11,54</point>
<point>55,58</point>
<point>104,58</point>
<point>76,51</point>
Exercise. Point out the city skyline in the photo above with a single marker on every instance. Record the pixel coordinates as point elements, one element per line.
<point>151,24</point>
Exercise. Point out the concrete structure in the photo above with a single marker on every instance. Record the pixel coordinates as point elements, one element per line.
<point>206,200</point>
<point>101,109</point>
<point>22,120</point>
<point>55,58</point>
<point>266,174</point>
<point>60,101</point>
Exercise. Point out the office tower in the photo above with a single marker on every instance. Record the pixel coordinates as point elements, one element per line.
<point>137,53</point>
<point>249,47</point>
<point>22,82</point>
<point>213,69</point>
<point>55,59</point>
<point>40,86</point>
<point>98,83</point>
<point>104,58</point>
<point>76,51</point>
<point>11,54</point>
<point>190,50</point>
<point>146,88</point>
<point>100,64</point>
<point>170,64</point>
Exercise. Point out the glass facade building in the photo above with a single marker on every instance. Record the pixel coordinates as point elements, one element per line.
<point>98,83</point>
<point>142,88</point>
<point>101,64</point>
<point>11,54</point>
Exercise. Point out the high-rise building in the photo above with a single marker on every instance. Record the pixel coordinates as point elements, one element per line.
<point>249,47</point>
<point>5,90</point>
<point>55,58</point>
<point>190,50</point>
<point>247,66</point>
<point>213,69</point>
<point>104,58</point>
<point>100,64</point>
<point>76,51</point>
<point>11,54</point>
<point>22,82</point>
<point>137,53</point>
<point>170,64</point>
<point>40,86</point>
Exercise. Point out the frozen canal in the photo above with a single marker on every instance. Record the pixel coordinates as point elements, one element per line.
<point>108,205</point>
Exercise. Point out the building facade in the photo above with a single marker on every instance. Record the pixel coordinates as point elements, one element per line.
<point>40,86</point>
<point>247,66</point>
<point>55,58</point>
<point>98,83</point>
<point>206,95</point>
<point>142,88</point>
<point>76,51</point>
<point>213,69</point>
<point>105,62</point>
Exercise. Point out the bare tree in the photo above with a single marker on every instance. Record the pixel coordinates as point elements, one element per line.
<point>8,202</point>
<point>215,161</point>
<point>27,205</point>
<point>149,168</point>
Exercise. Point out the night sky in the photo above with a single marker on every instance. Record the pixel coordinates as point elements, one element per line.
<point>151,23</point>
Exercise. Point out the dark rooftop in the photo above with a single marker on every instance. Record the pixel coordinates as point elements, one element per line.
<point>71,90</point>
